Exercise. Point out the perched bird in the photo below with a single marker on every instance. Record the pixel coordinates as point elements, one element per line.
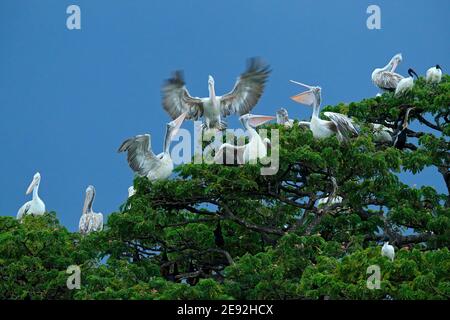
<point>340,124</point>
<point>141,158</point>
<point>90,221</point>
<point>241,100</point>
<point>283,118</point>
<point>255,149</point>
<point>401,135</point>
<point>388,251</point>
<point>385,78</point>
<point>434,74</point>
<point>131,191</point>
<point>406,84</point>
<point>36,206</point>
<point>218,237</point>
<point>381,134</point>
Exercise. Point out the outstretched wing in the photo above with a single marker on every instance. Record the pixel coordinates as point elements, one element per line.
<point>344,124</point>
<point>247,89</point>
<point>230,154</point>
<point>140,155</point>
<point>176,98</point>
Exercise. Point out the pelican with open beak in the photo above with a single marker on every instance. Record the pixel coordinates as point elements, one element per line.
<point>255,149</point>
<point>340,124</point>
<point>36,206</point>
<point>141,158</point>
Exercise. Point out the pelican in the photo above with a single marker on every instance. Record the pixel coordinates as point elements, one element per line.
<point>283,118</point>
<point>256,147</point>
<point>90,221</point>
<point>406,84</point>
<point>434,74</point>
<point>388,251</point>
<point>385,78</point>
<point>401,135</point>
<point>36,206</point>
<point>340,124</point>
<point>241,100</point>
<point>141,158</point>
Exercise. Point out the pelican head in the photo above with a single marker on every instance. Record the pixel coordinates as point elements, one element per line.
<point>34,183</point>
<point>310,97</point>
<point>395,61</point>
<point>254,120</point>
<point>174,126</point>
<point>282,116</point>
<point>89,199</point>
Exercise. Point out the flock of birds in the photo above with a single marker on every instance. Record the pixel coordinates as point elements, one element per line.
<point>248,89</point>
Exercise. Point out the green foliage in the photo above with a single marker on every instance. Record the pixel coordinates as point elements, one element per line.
<point>228,232</point>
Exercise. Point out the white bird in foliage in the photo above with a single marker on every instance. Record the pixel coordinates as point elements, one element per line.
<point>434,74</point>
<point>283,118</point>
<point>141,158</point>
<point>36,206</point>
<point>131,192</point>
<point>385,78</point>
<point>241,100</point>
<point>255,149</point>
<point>388,251</point>
<point>406,84</point>
<point>340,124</point>
<point>90,221</point>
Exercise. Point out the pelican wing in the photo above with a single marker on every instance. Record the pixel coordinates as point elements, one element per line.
<point>140,155</point>
<point>23,210</point>
<point>344,125</point>
<point>83,226</point>
<point>247,89</point>
<point>176,99</point>
<point>388,80</point>
<point>230,154</point>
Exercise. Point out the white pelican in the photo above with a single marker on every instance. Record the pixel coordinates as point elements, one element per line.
<point>381,134</point>
<point>141,158</point>
<point>434,74</point>
<point>36,206</point>
<point>388,251</point>
<point>340,124</point>
<point>241,100</point>
<point>385,78</point>
<point>256,147</point>
<point>90,221</point>
<point>406,84</point>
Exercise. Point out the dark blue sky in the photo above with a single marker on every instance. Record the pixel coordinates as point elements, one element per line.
<point>69,98</point>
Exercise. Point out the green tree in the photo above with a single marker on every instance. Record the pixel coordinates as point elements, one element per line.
<point>228,232</point>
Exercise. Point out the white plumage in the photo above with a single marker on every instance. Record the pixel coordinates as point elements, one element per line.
<point>385,78</point>
<point>406,84</point>
<point>388,251</point>
<point>434,74</point>
<point>36,206</point>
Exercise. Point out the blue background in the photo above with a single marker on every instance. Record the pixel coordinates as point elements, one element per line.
<point>69,98</point>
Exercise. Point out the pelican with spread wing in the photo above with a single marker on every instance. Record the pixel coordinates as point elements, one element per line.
<point>340,124</point>
<point>90,221</point>
<point>241,100</point>
<point>141,158</point>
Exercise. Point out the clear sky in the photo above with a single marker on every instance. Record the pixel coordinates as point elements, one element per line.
<point>68,98</point>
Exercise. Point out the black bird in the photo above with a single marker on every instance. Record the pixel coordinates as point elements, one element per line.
<point>218,237</point>
<point>401,136</point>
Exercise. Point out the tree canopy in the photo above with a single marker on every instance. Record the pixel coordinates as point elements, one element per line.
<point>228,232</point>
